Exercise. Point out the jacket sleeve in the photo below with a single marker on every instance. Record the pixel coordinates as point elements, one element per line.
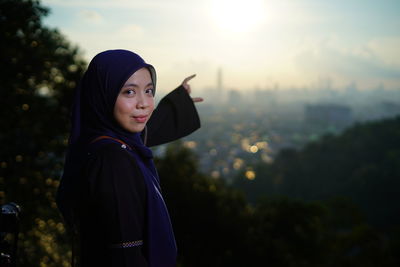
<point>175,117</point>
<point>118,195</point>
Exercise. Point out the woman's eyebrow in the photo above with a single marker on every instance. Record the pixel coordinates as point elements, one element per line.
<point>135,85</point>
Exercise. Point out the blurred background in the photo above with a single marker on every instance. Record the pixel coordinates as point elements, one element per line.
<point>297,162</point>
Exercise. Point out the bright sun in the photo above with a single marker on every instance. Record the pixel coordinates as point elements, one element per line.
<point>238,15</point>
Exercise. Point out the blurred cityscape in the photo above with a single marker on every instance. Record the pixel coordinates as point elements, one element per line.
<point>242,127</point>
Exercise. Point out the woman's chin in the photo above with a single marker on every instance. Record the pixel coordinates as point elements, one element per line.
<point>136,128</point>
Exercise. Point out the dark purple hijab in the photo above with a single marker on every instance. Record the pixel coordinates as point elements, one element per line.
<point>92,116</point>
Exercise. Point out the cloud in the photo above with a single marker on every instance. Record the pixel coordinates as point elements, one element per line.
<point>130,31</point>
<point>372,61</point>
<point>95,41</point>
<point>91,16</point>
<point>387,49</point>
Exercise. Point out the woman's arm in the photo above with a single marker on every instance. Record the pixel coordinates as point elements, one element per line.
<point>175,117</point>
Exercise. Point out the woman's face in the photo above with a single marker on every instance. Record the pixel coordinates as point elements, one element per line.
<point>135,102</point>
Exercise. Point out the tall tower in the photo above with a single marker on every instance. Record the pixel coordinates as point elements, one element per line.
<point>220,90</point>
<point>219,79</point>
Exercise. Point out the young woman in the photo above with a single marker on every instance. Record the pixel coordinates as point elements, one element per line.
<point>110,193</point>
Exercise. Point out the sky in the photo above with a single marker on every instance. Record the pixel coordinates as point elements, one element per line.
<point>264,44</point>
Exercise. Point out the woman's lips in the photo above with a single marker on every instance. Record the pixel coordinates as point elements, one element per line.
<point>140,119</point>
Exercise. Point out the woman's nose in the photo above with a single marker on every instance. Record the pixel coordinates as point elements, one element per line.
<point>143,101</point>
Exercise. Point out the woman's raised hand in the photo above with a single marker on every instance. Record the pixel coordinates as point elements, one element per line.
<point>186,85</point>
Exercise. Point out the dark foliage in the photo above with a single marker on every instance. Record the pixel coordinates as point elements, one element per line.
<point>209,219</point>
<point>362,164</point>
<point>39,69</point>
<point>215,226</point>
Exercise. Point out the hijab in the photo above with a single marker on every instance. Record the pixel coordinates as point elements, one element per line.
<point>92,116</point>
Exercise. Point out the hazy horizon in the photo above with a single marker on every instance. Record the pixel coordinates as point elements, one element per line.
<point>257,44</point>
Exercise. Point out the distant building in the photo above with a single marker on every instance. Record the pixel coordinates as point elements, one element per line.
<point>328,115</point>
<point>213,96</point>
<point>234,97</point>
<point>388,109</point>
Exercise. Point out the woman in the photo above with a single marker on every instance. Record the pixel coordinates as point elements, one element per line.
<point>110,193</point>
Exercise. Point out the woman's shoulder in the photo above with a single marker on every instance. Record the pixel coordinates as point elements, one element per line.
<point>111,160</point>
<point>110,152</point>
<point>111,167</point>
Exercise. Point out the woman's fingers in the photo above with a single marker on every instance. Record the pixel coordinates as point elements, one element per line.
<point>187,79</point>
<point>197,99</point>
<point>186,85</point>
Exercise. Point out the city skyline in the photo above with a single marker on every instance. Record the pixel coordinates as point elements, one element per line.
<point>257,44</point>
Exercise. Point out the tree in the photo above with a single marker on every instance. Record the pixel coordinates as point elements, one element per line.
<point>362,164</point>
<point>208,217</point>
<point>39,69</point>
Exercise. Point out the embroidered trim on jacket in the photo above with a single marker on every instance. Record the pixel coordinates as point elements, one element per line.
<point>128,244</point>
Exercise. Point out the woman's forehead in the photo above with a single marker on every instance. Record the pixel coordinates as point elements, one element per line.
<point>141,78</point>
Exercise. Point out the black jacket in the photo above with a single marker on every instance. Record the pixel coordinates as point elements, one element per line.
<point>113,206</point>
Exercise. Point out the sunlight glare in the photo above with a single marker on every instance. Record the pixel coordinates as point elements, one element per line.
<point>238,15</point>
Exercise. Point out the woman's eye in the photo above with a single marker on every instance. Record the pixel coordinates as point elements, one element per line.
<point>130,92</point>
<point>150,91</point>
